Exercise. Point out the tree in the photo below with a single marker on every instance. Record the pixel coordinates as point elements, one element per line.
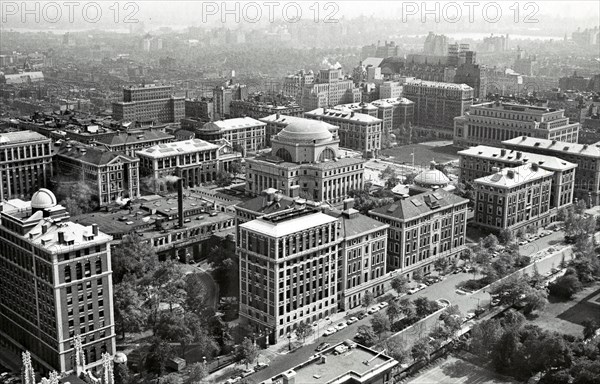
<point>157,356</point>
<point>396,350</point>
<point>417,275</point>
<point>170,284</point>
<point>506,237</point>
<point>387,173</point>
<point>589,328</point>
<point>520,233</point>
<point>407,307</point>
<point>424,306</point>
<point>400,284</point>
<point>535,300</point>
<point>365,335</point>
<point>453,319</point>
<point>303,330</point>
<point>565,286</point>
<point>198,371</point>
<point>421,350</point>
<point>556,377</point>
<point>367,299</point>
<point>511,289</point>
<point>121,373</point>
<point>133,257</point>
<point>489,242</point>
<point>441,264</point>
<point>380,324</point>
<point>195,293</point>
<point>77,197</point>
<point>223,179</point>
<point>248,352</point>
<point>393,311</point>
<point>171,378</point>
<point>391,182</point>
<point>130,315</point>
<point>236,168</point>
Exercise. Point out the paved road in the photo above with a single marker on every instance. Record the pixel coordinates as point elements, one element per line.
<point>445,289</point>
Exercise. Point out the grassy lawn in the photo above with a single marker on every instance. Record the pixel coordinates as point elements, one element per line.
<point>567,316</point>
<point>423,154</point>
<point>455,370</point>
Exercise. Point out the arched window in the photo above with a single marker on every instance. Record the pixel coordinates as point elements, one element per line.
<point>284,155</point>
<point>327,154</point>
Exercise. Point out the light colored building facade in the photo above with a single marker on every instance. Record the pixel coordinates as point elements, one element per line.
<point>491,123</point>
<point>587,158</point>
<point>25,163</point>
<point>437,104</point>
<point>481,161</point>
<point>347,249</point>
<point>62,273</point>
<point>256,110</point>
<point>293,85</point>
<point>356,130</point>
<point>149,103</point>
<point>423,228</point>
<point>514,199</point>
<point>245,133</point>
<point>111,175</point>
<point>331,89</point>
<point>305,160</point>
<point>196,161</point>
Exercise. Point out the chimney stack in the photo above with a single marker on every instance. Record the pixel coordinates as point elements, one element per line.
<point>510,174</point>
<point>95,229</point>
<point>503,152</point>
<point>180,201</point>
<point>519,154</point>
<point>295,191</point>
<point>534,167</point>
<point>61,237</point>
<point>348,204</point>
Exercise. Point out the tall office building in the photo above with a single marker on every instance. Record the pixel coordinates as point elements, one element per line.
<point>243,133</point>
<point>437,104</point>
<point>491,123</point>
<point>224,95</point>
<point>149,103</point>
<point>423,228</point>
<point>55,283</point>
<point>299,265</point>
<point>25,163</point>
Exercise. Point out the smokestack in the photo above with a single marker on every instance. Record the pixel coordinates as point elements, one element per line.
<point>95,229</point>
<point>180,201</point>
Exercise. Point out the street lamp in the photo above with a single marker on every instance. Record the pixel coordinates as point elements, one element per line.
<point>204,361</point>
<point>289,337</point>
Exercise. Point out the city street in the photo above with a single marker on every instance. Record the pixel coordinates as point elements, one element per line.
<point>445,289</point>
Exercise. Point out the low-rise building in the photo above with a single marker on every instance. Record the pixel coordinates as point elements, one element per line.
<point>196,161</point>
<point>305,160</point>
<point>514,199</point>
<point>481,161</point>
<point>258,110</point>
<point>493,122</point>
<point>356,130</point>
<point>244,133</point>
<point>25,163</point>
<point>586,156</point>
<point>132,141</point>
<point>424,228</point>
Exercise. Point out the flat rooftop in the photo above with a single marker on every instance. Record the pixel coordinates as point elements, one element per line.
<point>512,177</point>
<point>516,157</point>
<point>177,148</point>
<point>590,150</point>
<point>349,364</point>
<point>297,223</point>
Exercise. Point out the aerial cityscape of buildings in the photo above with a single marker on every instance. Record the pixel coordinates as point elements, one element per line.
<point>194,205</point>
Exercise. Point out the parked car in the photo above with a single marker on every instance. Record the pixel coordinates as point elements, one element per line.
<point>261,366</point>
<point>469,316</point>
<point>341,326</point>
<point>523,242</point>
<point>329,331</point>
<point>373,309</point>
<point>495,302</point>
<point>234,379</point>
<point>443,303</point>
<point>352,320</point>
<point>383,304</point>
<point>248,372</point>
<point>414,290</point>
<point>322,347</point>
<point>361,315</point>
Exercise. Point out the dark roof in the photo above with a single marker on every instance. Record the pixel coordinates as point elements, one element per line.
<point>134,137</point>
<point>418,205</point>
<point>355,223</point>
<point>91,155</point>
<point>261,206</point>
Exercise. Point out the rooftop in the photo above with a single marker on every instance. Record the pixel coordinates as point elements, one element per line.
<point>514,107</point>
<point>21,137</point>
<point>91,155</point>
<point>421,204</point>
<point>134,137</point>
<point>512,177</point>
<point>237,123</point>
<point>510,156</point>
<point>343,113</point>
<point>590,150</point>
<point>356,365</point>
<point>439,84</point>
<point>177,148</point>
<point>282,228</point>
<point>285,120</point>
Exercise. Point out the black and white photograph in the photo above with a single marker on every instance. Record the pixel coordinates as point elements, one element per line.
<point>299,192</point>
